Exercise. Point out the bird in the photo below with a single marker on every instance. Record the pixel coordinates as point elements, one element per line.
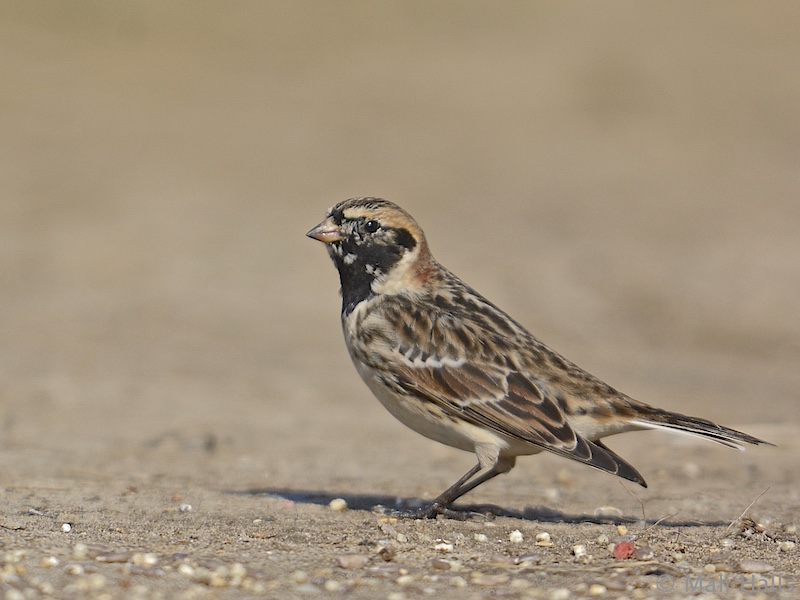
<point>454,367</point>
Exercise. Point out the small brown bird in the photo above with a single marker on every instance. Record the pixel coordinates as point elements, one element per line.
<point>452,366</point>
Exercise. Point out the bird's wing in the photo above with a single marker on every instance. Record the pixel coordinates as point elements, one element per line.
<point>508,402</point>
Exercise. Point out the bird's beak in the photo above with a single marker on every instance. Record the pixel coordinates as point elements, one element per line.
<point>327,232</point>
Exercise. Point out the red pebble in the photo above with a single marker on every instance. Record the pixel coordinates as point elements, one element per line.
<point>624,550</point>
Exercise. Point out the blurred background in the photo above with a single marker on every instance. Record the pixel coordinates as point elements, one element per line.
<point>622,177</point>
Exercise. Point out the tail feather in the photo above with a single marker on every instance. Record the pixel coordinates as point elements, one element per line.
<point>662,419</point>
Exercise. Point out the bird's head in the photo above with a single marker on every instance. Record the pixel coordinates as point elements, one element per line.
<point>376,246</point>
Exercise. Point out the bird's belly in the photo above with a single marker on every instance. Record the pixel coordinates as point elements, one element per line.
<point>429,420</point>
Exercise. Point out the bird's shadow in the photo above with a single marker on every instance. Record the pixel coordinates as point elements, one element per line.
<point>407,507</point>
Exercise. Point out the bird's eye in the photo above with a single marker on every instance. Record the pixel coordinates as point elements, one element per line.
<point>372,226</point>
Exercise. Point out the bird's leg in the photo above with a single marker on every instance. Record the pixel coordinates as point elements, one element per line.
<point>458,489</point>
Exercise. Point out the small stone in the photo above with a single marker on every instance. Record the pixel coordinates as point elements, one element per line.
<point>528,559</point>
<point>439,564</point>
<point>185,570</point>
<point>352,561</point>
<point>66,527</point>
<point>458,582</point>
<point>579,550</point>
<point>404,580</point>
<point>710,568</point>
<point>624,550</point>
<point>597,589</point>
<point>543,539</point>
<point>480,537</point>
<point>331,586</point>
<point>786,546</point>
<point>516,537</point>
<point>74,570</point>
<point>602,539</point>
<point>402,538</point>
<point>338,504</point>
<point>755,566</point>
<point>184,508</point>
<point>790,528</point>
<point>559,594</point>
<point>443,547</point>
<point>80,551</point>
<point>727,543</point>
<point>49,561</point>
<point>299,577</point>
<point>387,553</point>
<point>622,530</point>
<point>644,553</point>
<point>607,511</point>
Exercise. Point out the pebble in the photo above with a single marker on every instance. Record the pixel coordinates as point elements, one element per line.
<point>387,553</point>
<point>597,589</point>
<point>66,527</point>
<point>480,537</point>
<point>543,539</point>
<point>727,543</point>
<point>755,566</point>
<point>439,564</point>
<point>443,547</point>
<point>644,553</point>
<point>528,559</point>
<point>559,594</point>
<point>458,582</point>
<point>184,508</point>
<point>352,561</point>
<point>402,538</point>
<point>607,511</point>
<point>331,586</point>
<point>516,537</point>
<point>338,504</point>
<point>624,550</point>
<point>579,550</point>
<point>622,530</point>
<point>790,528</point>
<point>786,546</point>
<point>114,557</point>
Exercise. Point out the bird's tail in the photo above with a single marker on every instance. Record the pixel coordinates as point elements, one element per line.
<point>656,418</point>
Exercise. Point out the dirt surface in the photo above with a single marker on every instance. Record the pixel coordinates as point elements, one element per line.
<point>178,410</point>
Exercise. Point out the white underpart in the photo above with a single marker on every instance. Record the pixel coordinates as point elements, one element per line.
<point>693,434</point>
<point>349,259</point>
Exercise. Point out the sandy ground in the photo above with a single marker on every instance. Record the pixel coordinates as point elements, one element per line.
<point>621,177</point>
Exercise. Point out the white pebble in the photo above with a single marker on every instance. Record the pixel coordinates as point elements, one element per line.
<point>458,582</point>
<point>543,539</point>
<point>559,594</point>
<point>480,537</point>
<point>755,566</point>
<point>786,546</point>
<point>338,504</point>
<point>331,586</point>
<point>49,561</point>
<point>443,547</point>
<point>515,537</point>
<point>184,508</point>
<point>402,538</point>
<point>186,570</point>
<point>597,589</point>
<point>66,528</point>
<point>579,550</point>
